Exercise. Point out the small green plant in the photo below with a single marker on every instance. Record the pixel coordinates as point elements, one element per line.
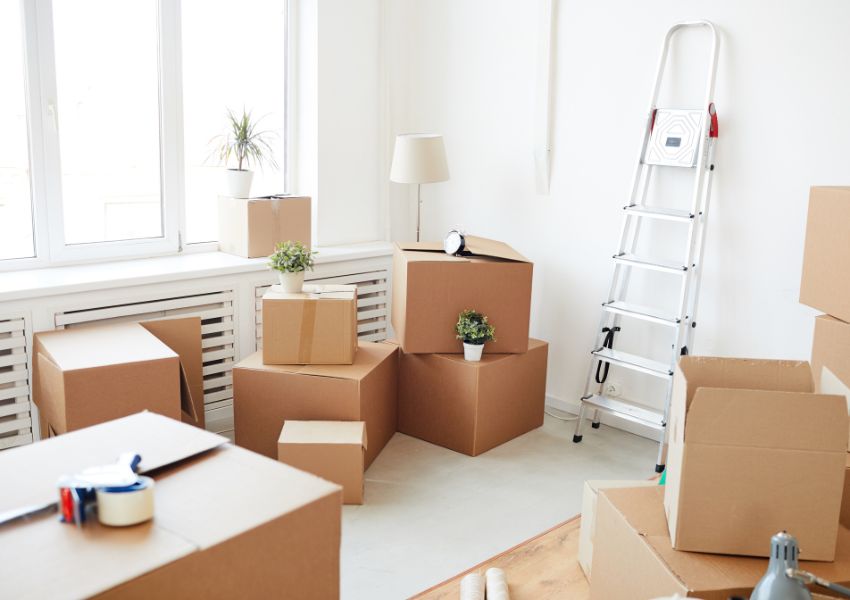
<point>292,257</point>
<point>472,327</point>
<point>243,142</point>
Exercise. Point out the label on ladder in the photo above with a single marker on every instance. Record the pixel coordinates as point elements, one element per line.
<point>675,137</point>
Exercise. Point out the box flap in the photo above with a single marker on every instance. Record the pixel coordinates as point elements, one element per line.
<point>316,292</point>
<point>368,355</point>
<point>476,246</point>
<point>29,473</point>
<point>323,432</point>
<point>85,347</point>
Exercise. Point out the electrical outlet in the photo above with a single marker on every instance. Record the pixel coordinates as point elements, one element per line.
<point>613,389</point>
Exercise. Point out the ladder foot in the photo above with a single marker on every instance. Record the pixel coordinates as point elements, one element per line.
<point>576,439</point>
<point>659,468</point>
<point>595,424</point>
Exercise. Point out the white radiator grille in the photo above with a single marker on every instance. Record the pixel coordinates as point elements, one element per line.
<point>15,416</point>
<point>371,303</point>
<point>218,340</point>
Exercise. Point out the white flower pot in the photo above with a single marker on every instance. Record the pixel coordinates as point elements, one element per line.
<point>472,352</point>
<point>239,183</point>
<point>292,283</point>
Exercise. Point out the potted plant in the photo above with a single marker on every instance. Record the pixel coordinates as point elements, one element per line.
<point>472,327</point>
<point>290,260</point>
<point>246,145</point>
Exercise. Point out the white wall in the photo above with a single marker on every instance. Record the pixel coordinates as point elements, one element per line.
<point>467,68</point>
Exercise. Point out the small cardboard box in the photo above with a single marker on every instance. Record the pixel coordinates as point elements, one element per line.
<point>251,227</point>
<point>316,327</point>
<point>431,288</point>
<point>633,557</point>
<point>825,283</point>
<point>227,523</point>
<point>87,375</point>
<point>332,450</point>
<point>831,358</point>
<point>471,407</point>
<point>753,450</point>
<point>589,501</point>
<point>264,396</point>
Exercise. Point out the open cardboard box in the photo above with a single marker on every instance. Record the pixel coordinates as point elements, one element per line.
<point>753,450</point>
<point>431,288</point>
<point>250,227</point>
<point>831,358</point>
<point>87,375</point>
<point>227,523</point>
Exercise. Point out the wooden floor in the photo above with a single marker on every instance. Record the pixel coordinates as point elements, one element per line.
<point>541,568</point>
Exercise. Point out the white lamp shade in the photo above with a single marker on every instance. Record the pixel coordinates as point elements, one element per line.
<point>419,158</point>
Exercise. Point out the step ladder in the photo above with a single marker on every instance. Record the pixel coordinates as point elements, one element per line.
<point>673,138</point>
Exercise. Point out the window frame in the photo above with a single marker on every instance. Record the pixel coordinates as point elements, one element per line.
<point>44,154</point>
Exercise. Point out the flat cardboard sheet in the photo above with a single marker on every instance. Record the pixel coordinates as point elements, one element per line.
<point>252,227</point>
<point>744,433</point>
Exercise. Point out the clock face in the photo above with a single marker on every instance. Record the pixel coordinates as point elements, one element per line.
<point>453,242</point>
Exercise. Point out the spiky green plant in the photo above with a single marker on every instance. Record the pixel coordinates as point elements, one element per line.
<point>244,142</point>
<point>292,257</point>
<point>472,327</point>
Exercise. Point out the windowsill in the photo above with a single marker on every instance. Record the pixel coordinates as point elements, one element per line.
<point>52,281</point>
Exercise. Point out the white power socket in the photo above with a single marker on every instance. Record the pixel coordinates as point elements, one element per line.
<point>613,389</point>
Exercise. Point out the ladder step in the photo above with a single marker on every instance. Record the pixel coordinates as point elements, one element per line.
<point>655,212</point>
<point>634,362</point>
<point>645,313</point>
<point>627,410</point>
<point>665,266</point>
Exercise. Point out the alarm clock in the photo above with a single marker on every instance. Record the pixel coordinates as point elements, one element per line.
<point>454,243</point>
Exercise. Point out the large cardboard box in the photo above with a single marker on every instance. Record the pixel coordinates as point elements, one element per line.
<point>315,327</point>
<point>251,227</point>
<point>264,396</point>
<point>633,558</point>
<point>87,375</point>
<point>332,450</point>
<point>471,407</point>
<point>589,500</point>
<point>431,288</point>
<point>753,450</point>
<point>825,283</point>
<point>831,358</point>
<point>227,522</point>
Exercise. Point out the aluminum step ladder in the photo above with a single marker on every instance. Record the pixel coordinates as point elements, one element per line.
<point>673,138</point>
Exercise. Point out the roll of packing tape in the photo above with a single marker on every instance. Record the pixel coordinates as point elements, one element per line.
<point>472,587</point>
<point>497,585</point>
<point>120,507</point>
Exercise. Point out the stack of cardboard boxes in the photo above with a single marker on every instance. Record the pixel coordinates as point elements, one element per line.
<point>755,447</point>
<point>469,407</point>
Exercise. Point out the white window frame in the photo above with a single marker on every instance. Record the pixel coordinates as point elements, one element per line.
<point>44,154</point>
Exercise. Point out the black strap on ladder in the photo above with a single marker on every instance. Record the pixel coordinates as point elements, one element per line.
<point>608,342</point>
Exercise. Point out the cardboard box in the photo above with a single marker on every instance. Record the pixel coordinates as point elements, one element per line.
<point>332,450</point>
<point>633,558</point>
<point>753,450</point>
<point>251,227</point>
<point>825,283</point>
<point>316,327</point>
<point>227,524</point>
<point>431,288</point>
<point>589,500</point>
<point>471,407</point>
<point>831,358</point>
<point>87,375</point>
<point>264,396</point>
<point>844,519</point>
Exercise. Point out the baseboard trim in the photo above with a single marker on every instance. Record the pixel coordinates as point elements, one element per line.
<point>572,407</point>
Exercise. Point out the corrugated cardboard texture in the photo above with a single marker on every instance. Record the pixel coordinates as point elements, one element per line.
<point>633,558</point>
<point>431,288</point>
<point>831,357</point>
<point>332,450</point>
<point>315,327</point>
<point>252,227</point>
<point>471,407</point>
<point>825,283</point>
<point>209,538</point>
<point>753,451</point>
<point>264,396</point>
<point>88,375</point>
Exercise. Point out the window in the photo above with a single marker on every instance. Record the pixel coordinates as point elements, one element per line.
<point>108,112</point>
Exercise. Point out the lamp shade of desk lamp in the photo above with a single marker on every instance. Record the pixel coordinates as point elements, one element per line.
<point>419,158</point>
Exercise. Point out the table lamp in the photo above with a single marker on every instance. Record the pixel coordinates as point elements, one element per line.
<point>419,158</point>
